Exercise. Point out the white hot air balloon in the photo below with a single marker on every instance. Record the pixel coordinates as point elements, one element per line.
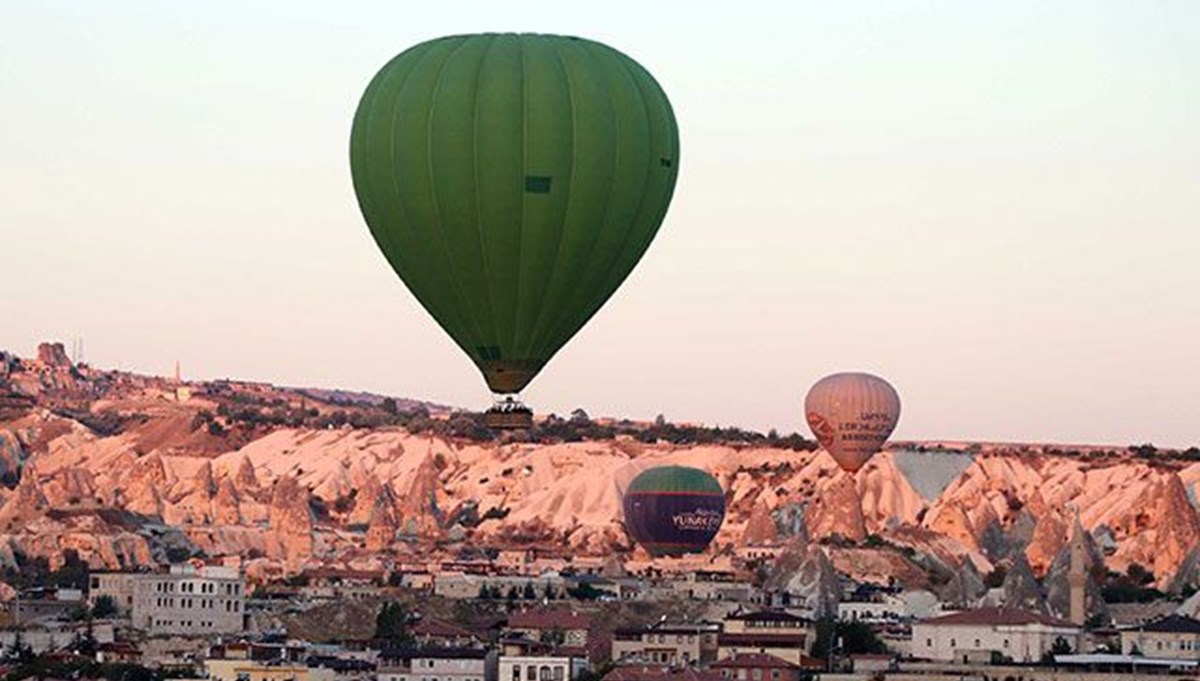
<point>852,415</point>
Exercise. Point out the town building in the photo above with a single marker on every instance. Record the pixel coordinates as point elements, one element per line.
<point>252,670</point>
<point>772,632</point>
<point>116,586</point>
<point>541,667</point>
<point>1173,637</point>
<point>764,667</point>
<point>712,585</point>
<point>667,644</point>
<point>888,607</point>
<point>990,634</point>
<point>189,600</point>
<point>562,628</point>
<point>118,652</point>
<point>439,664</point>
<point>44,604</point>
<point>661,673</point>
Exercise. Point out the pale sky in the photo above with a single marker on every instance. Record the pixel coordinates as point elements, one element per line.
<point>993,205</point>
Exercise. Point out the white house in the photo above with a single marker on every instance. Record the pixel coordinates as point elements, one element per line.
<point>975,635</point>
<point>440,664</point>
<point>1175,637</point>
<point>886,607</point>
<point>541,668</point>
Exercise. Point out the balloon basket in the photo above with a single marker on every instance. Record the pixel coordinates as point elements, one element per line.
<point>509,414</point>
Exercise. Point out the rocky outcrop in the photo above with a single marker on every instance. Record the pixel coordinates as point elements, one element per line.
<point>806,576</point>
<point>326,494</point>
<point>226,506</point>
<point>27,504</point>
<point>417,508</point>
<point>53,355</point>
<point>245,480</point>
<point>761,528</point>
<point>837,510</point>
<point>1049,537</point>
<point>291,517</point>
<point>1022,589</point>
<point>964,588</point>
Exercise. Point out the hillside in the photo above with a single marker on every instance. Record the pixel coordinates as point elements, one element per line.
<point>130,470</point>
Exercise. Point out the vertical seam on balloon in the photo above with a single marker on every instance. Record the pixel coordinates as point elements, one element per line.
<point>396,185</point>
<point>529,348</point>
<point>576,321</point>
<point>400,197</point>
<point>516,324</point>
<point>483,259</point>
<point>437,213</point>
<point>646,181</point>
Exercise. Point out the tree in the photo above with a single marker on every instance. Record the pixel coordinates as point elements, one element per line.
<point>104,607</point>
<point>84,642</point>
<point>995,578</point>
<point>553,637</point>
<point>18,651</point>
<point>1059,647</point>
<point>389,405</point>
<point>392,623</point>
<point>850,638</point>
<point>1139,575</point>
<point>530,593</point>
<point>74,572</point>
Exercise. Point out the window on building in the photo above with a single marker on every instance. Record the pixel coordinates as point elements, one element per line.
<point>928,643</point>
<point>953,643</point>
<point>757,675</point>
<point>977,643</point>
<point>1005,643</point>
<point>559,672</point>
<point>516,675</point>
<point>544,674</point>
<point>775,674</point>
<point>531,673</point>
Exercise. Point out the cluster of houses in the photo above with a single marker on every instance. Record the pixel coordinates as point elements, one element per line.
<point>195,616</point>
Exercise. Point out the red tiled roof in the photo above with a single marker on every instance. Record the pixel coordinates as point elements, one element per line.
<point>549,619</point>
<point>768,616</point>
<point>753,661</point>
<point>762,640</point>
<point>656,673</point>
<point>999,616</point>
<point>439,629</point>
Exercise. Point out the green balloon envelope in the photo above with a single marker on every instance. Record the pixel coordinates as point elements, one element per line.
<point>513,181</point>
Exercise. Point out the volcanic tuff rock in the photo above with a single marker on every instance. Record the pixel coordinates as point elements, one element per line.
<point>964,588</point>
<point>301,492</point>
<point>840,511</point>
<point>53,354</point>
<point>760,528</point>
<point>291,516</point>
<point>806,575</point>
<point>1021,588</point>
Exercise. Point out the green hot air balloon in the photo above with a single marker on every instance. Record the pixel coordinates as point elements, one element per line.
<point>513,181</point>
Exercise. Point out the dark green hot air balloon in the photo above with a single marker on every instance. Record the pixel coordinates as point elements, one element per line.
<point>513,181</point>
<point>673,510</point>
